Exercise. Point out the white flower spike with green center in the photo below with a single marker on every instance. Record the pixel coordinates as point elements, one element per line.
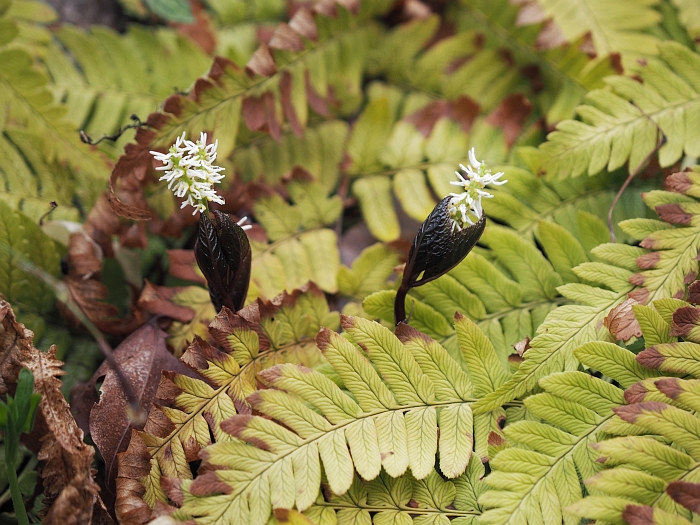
<point>466,205</point>
<point>190,171</point>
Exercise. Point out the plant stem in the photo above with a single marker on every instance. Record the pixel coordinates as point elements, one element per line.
<point>20,511</point>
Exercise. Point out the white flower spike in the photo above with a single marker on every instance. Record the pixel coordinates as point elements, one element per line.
<point>190,171</point>
<point>465,208</point>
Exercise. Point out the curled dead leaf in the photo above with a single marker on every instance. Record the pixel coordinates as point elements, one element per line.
<point>621,322</point>
<point>70,493</point>
<point>522,346</point>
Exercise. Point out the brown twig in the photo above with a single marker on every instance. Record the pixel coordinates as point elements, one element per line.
<point>660,142</point>
<point>53,205</point>
<point>84,137</point>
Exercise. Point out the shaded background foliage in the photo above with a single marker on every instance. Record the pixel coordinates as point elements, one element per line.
<point>340,124</point>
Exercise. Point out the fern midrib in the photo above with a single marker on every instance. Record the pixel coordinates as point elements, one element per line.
<point>559,300</point>
<point>222,390</point>
<point>555,351</point>
<point>411,510</point>
<point>365,415</point>
<point>560,205</point>
<point>596,131</point>
<point>557,459</point>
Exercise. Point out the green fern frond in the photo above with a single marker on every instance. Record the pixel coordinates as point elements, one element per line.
<point>619,124</point>
<point>305,60</point>
<point>22,241</point>
<point>369,272</point>
<point>689,14</point>
<point>507,290</point>
<point>538,478</point>
<point>566,71</point>
<point>302,249</point>
<point>263,334</point>
<point>107,77</point>
<point>23,25</point>
<point>579,205</point>
<point>319,151</point>
<point>398,391</point>
<point>398,150</point>
<point>404,500</point>
<point>450,68</point>
<point>29,182</point>
<point>660,268</point>
<point>642,468</point>
<point>615,26</point>
<point>28,104</point>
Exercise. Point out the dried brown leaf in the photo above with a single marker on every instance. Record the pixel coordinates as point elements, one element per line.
<point>511,115</point>
<point>184,266</point>
<point>621,322</point>
<point>261,63</point>
<point>157,300</point>
<point>15,347</point>
<point>303,23</point>
<point>142,357</point>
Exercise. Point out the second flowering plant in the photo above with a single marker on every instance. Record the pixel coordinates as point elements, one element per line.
<point>222,249</point>
<point>449,232</point>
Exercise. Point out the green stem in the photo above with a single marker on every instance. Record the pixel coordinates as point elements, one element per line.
<point>20,511</point>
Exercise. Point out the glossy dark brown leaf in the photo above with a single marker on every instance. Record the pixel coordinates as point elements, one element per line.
<point>436,249</point>
<point>223,254</point>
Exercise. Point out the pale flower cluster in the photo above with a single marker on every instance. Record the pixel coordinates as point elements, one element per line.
<point>465,208</point>
<point>190,171</point>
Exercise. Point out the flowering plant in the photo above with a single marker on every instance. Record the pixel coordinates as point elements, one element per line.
<point>449,232</point>
<point>222,250</point>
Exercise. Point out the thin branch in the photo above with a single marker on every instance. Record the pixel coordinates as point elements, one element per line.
<point>53,205</point>
<point>136,123</point>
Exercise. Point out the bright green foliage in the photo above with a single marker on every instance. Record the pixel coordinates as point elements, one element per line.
<point>253,340</point>
<point>333,59</point>
<point>643,469</point>
<point>536,480</point>
<point>369,271</point>
<point>22,242</point>
<point>615,25</point>
<point>659,268</point>
<point>24,25</point>
<point>27,105</point>
<point>619,124</point>
<point>580,205</point>
<point>399,391</point>
<point>318,151</point>
<point>567,72</point>
<point>402,58</point>
<point>302,249</point>
<point>109,77</point>
<point>508,297</point>
<point>405,500</point>
<point>689,14</point>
